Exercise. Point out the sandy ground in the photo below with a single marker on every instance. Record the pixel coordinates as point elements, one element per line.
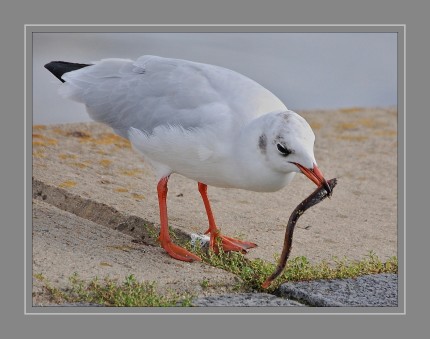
<point>64,243</point>
<point>84,169</point>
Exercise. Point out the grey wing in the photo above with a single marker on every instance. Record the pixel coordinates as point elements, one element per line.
<point>155,91</point>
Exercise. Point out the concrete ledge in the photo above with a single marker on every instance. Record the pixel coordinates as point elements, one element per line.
<point>64,243</point>
<point>368,291</point>
<point>245,299</point>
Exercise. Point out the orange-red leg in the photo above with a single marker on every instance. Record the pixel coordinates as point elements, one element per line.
<point>228,244</point>
<point>174,251</point>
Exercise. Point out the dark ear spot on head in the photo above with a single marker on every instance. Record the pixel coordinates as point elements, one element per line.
<point>262,143</point>
<point>285,115</point>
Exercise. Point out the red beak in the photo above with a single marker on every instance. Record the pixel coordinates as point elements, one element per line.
<point>315,175</point>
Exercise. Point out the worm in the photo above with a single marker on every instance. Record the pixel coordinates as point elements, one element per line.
<point>316,197</point>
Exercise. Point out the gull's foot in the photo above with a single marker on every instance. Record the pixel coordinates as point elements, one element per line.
<point>178,252</point>
<point>229,244</point>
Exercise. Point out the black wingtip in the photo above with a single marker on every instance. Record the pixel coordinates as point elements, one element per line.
<point>58,68</point>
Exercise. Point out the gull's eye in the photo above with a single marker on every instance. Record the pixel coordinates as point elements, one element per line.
<point>283,150</point>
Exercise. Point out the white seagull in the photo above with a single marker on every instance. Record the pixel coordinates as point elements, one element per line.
<point>205,122</point>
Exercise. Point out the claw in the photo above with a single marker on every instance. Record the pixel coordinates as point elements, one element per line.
<point>179,253</point>
<point>229,244</point>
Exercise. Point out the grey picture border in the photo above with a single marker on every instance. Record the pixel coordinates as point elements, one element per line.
<point>401,34</point>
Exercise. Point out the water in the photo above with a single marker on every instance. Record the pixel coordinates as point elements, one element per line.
<point>305,70</point>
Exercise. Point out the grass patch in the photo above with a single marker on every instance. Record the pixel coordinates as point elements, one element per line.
<point>386,133</point>
<point>316,125</point>
<point>121,189</point>
<point>79,164</point>
<point>352,137</point>
<point>151,231</point>
<point>254,272</point>
<point>350,110</point>
<point>137,196</point>
<point>67,184</point>
<point>105,162</point>
<point>342,126</point>
<point>109,292</point>
<point>204,283</point>
<point>132,172</point>
<point>106,139</point>
<point>67,156</point>
<point>41,140</point>
<point>38,154</point>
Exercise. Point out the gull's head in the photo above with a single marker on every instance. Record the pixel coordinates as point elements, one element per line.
<point>287,143</point>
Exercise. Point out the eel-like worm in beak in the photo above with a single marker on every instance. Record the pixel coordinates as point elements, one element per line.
<point>316,197</point>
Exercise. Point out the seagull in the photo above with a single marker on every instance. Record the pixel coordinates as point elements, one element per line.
<point>205,122</point>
